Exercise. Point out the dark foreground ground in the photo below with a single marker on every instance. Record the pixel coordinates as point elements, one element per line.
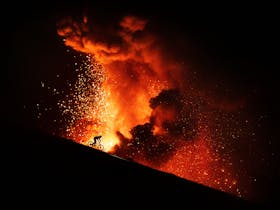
<point>40,170</point>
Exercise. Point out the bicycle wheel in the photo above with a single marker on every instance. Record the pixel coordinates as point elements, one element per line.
<point>101,147</point>
<point>91,144</point>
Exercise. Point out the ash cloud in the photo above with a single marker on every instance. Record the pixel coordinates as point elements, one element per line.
<point>171,122</point>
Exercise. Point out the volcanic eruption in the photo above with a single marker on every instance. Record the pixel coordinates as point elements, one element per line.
<point>135,95</point>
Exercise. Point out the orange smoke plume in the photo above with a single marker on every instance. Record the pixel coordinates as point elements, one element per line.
<point>135,97</point>
<point>134,69</point>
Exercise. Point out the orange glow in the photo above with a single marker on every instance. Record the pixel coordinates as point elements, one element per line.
<point>128,71</point>
<point>161,115</point>
<point>196,161</point>
<point>132,72</point>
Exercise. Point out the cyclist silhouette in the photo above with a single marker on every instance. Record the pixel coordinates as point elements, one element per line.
<point>96,143</point>
<point>97,138</point>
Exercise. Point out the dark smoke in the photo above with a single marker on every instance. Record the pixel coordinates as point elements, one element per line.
<point>171,97</point>
<point>183,122</point>
<point>176,121</point>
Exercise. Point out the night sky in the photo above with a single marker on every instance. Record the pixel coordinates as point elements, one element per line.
<point>229,49</point>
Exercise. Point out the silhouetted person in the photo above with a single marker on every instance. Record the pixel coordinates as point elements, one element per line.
<point>96,138</point>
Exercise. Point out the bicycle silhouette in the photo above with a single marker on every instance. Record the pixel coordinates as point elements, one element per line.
<point>96,143</point>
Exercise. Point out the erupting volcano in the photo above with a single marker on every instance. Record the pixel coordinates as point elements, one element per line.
<point>136,96</point>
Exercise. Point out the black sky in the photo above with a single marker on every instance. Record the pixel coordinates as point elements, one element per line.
<point>230,44</point>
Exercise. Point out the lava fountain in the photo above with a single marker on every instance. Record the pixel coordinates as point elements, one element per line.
<point>133,94</point>
<point>124,77</point>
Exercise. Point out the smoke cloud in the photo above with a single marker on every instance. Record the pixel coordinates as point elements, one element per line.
<point>156,141</point>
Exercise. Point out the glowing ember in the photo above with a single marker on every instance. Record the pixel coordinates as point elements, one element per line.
<point>87,107</point>
<point>134,96</point>
<point>199,162</point>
